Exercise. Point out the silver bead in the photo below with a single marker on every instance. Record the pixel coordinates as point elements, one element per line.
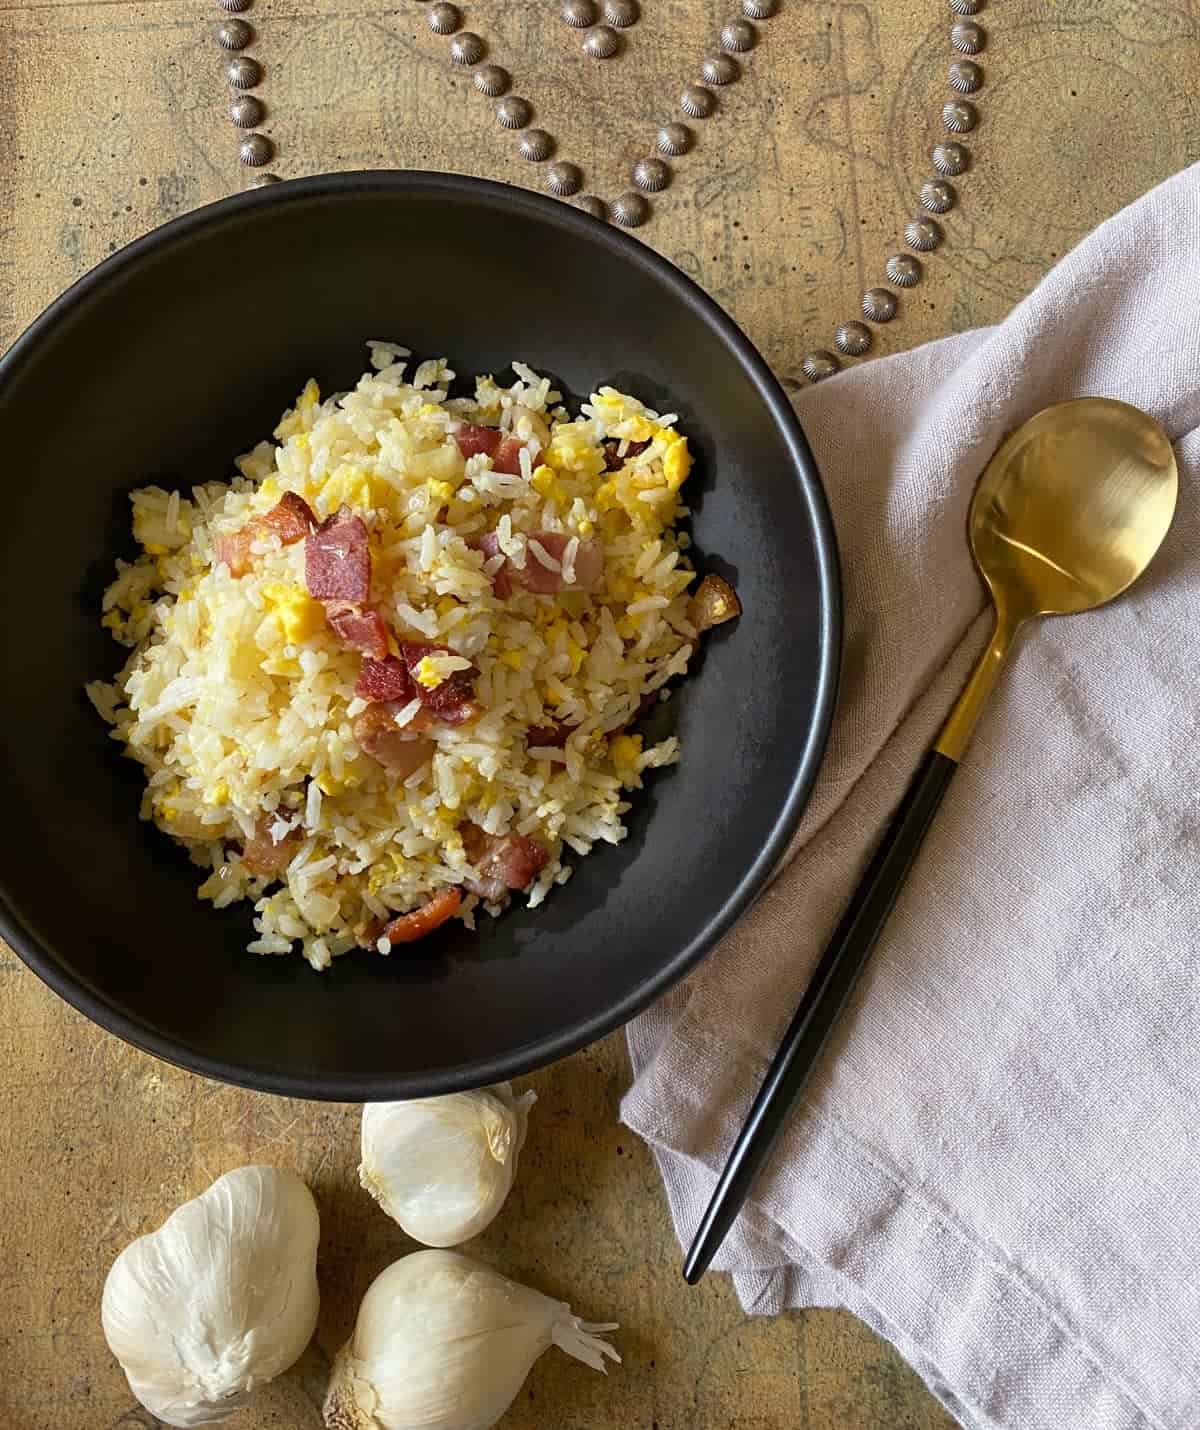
<point>673,140</point>
<point>261,181</point>
<point>651,175</point>
<point>535,145</point>
<point>818,365</point>
<point>951,159</point>
<point>590,204</point>
<point>579,14</point>
<point>960,116</point>
<point>255,150</point>
<point>234,34</point>
<point>937,196</point>
<point>738,36</point>
<point>852,338</point>
<point>443,18</point>
<point>966,7</point>
<point>247,111</point>
<point>631,210</point>
<point>466,49</point>
<point>965,76</point>
<point>697,102</point>
<point>564,179</point>
<point>602,43</point>
<point>514,112</point>
<point>759,9</point>
<point>903,270</point>
<point>879,305</point>
<point>622,13</point>
<point>967,37</point>
<point>235,7</point>
<point>720,69</point>
<point>922,234</point>
<point>243,72</point>
<point>491,80</point>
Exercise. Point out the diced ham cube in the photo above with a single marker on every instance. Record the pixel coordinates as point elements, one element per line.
<point>473,439</point>
<point>291,518</point>
<point>265,855</point>
<point>401,750</point>
<point>233,548</point>
<point>383,680</point>
<point>552,736</point>
<point>337,559</point>
<point>453,701</point>
<point>489,544</point>
<point>502,862</point>
<point>613,461</point>
<point>507,458</point>
<point>360,627</point>
<point>536,576</point>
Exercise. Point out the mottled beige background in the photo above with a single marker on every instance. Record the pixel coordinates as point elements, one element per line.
<point>112,118</point>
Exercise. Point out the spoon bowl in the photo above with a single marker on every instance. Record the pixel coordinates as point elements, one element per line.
<point>1072,507</point>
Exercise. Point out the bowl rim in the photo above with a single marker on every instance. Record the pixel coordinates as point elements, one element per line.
<point>581,1032</point>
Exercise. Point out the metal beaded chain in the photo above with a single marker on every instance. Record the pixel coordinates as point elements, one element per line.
<point>937,196</point>
<point>650,174</point>
<point>244,73</point>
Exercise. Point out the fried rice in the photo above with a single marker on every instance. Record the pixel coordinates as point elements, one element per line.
<point>246,707</point>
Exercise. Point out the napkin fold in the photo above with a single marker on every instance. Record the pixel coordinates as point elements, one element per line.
<point>996,1165</point>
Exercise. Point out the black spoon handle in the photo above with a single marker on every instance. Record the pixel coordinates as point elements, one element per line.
<point>823,1001</point>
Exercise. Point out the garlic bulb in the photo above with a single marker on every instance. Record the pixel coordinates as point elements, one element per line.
<point>222,1297</point>
<point>442,1343</point>
<point>442,1166</point>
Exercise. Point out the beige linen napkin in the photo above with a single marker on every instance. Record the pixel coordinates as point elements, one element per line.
<point>997,1163</point>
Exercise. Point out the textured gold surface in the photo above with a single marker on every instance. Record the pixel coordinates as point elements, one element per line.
<point>113,118</point>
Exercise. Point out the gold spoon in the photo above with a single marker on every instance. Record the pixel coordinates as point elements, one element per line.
<point>1068,514</point>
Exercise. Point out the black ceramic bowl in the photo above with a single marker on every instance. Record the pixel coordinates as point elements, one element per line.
<point>181,351</point>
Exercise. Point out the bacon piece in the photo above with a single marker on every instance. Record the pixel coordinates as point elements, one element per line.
<point>337,559</point>
<point>714,603</point>
<point>502,862</point>
<point>360,627</point>
<point>265,855</point>
<point>385,680</point>
<point>473,439</point>
<point>408,928</point>
<point>507,458</point>
<point>453,701</point>
<point>553,736</point>
<point>612,461</point>
<point>234,549</point>
<point>400,749</point>
<point>291,518</point>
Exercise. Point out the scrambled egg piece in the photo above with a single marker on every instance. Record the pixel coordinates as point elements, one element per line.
<point>677,460</point>
<point>301,417</point>
<point>299,616</point>
<point>353,487</point>
<point>625,750</point>
<point>432,670</point>
<point>547,485</point>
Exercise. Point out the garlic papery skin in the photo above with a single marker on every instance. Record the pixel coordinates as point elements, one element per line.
<point>443,1166</point>
<point>442,1343</point>
<point>222,1297</point>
